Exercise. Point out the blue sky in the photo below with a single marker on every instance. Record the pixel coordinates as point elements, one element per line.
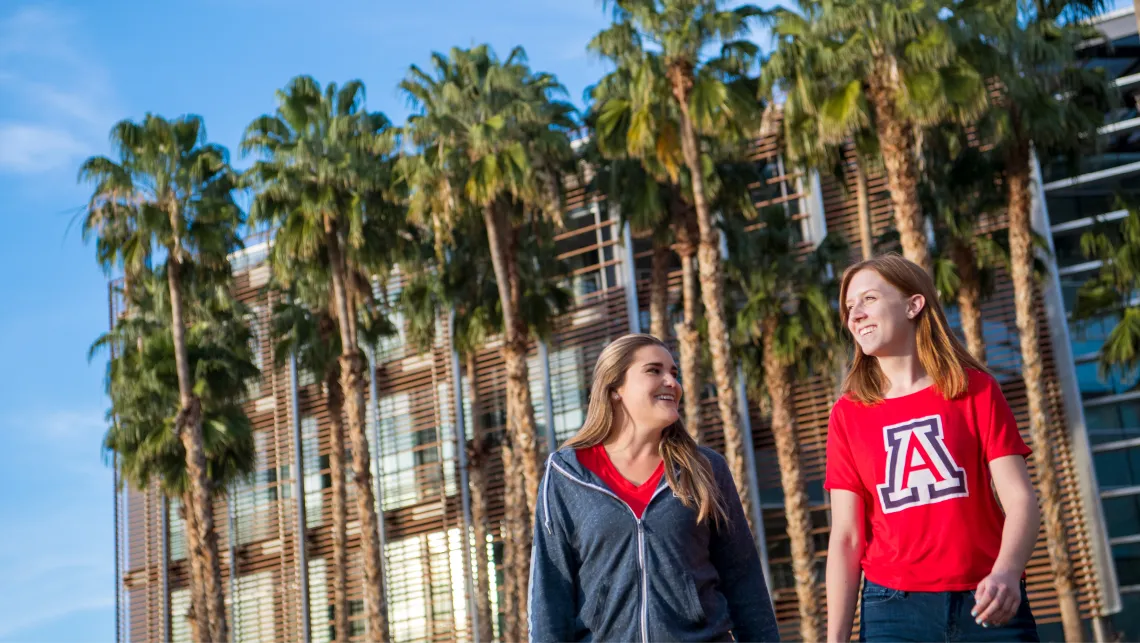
<point>68,71</point>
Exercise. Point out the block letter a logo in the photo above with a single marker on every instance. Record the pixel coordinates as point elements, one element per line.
<point>920,470</point>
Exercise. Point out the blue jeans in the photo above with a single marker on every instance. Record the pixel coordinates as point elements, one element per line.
<point>893,615</point>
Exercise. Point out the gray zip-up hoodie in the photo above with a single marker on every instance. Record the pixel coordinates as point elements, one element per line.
<point>598,573</point>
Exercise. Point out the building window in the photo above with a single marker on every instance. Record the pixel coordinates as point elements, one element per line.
<point>255,503</point>
<point>254,608</point>
<point>179,610</point>
<point>313,465</point>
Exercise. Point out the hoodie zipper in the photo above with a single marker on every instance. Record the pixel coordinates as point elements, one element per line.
<point>640,543</point>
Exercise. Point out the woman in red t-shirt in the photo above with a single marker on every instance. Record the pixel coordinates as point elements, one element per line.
<point>917,444</point>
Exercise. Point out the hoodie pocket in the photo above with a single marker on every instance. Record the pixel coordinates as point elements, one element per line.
<point>696,611</point>
<point>596,608</point>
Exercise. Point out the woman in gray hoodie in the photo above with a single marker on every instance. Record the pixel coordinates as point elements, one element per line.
<point>639,533</point>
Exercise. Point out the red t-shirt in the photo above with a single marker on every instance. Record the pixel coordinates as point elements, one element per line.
<point>597,460</point>
<point>920,463</point>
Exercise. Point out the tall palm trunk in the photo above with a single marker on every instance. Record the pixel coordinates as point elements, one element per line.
<point>712,293</point>
<point>353,382</point>
<point>198,615</point>
<point>334,397</point>
<point>896,139</point>
<point>863,203</point>
<point>688,338</point>
<point>520,410</point>
<point>778,381</point>
<point>522,451</point>
<point>477,482</point>
<point>1032,371</point>
<point>659,292</point>
<point>514,555</point>
<point>970,301</point>
<point>188,426</point>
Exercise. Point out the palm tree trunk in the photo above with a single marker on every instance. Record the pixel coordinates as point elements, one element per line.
<point>522,452</point>
<point>863,201</point>
<point>335,403</point>
<point>659,293</point>
<point>896,139</point>
<point>1032,371</point>
<point>970,302</point>
<point>353,382</point>
<point>477,481</point>
<point>513,589</point>
<point>688,341</point>
<point>188,426</point>
<point>708,260</point>
<point>198,613</point>
<point>778,381</point>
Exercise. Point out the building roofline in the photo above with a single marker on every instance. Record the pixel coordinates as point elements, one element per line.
<point>1112,15</point>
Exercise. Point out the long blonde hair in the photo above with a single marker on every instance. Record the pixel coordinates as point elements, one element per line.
<point>687,471</point>
<point>939,350</point>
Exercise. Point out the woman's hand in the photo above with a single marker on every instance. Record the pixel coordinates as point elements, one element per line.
<point>997,598</point>
<point>999,595</point>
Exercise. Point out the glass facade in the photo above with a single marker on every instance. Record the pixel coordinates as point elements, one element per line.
<point>1077,200</point>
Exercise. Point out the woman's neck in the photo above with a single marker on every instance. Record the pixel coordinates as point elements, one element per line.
<point>633,445</point>
<point>905,375</point>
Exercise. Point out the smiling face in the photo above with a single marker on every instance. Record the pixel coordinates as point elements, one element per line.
<point>650,392</point>
<point>879,316</point>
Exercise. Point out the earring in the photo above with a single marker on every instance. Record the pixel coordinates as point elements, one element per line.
<point>616,396</point>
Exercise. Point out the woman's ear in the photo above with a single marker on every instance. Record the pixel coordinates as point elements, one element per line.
<point>914,306</point>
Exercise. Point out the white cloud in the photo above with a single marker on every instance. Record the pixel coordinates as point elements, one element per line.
<point>57,98</point>
<point>26,147</point>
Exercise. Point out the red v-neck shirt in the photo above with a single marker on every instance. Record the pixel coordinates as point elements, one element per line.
<point>597,460</point>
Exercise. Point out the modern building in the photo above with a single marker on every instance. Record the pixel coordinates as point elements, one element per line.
<point>1109,408</point>
<point>275,532</point>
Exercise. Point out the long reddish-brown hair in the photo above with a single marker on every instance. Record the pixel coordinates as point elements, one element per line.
<point>939,350</point>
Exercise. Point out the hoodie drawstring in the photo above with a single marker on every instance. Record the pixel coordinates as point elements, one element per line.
<point>546,494</point>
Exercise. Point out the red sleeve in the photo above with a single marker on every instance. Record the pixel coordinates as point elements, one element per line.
<point>997,426</point>
<point>841,472</point>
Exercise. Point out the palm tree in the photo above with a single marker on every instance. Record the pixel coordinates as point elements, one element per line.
<point>462,283</point>
<point>170,189</point>
<point>637,152</point>
<point>787,329</point>
<point>1114,291</point>
<point>644,203</point>
<point>856,66</point>
<point>961,191</point>
<point>145,399</point>
<point>321,187</point>
<point>491,139</point>
<point>712,96</point>
<point>305,326</point>
<point>803,147</point>
<point>1053,103</point>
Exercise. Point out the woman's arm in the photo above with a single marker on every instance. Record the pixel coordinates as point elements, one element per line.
<point>999,594</point>
<point>553,590</point>
<point>732,551</point>
<point>844,555</point>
